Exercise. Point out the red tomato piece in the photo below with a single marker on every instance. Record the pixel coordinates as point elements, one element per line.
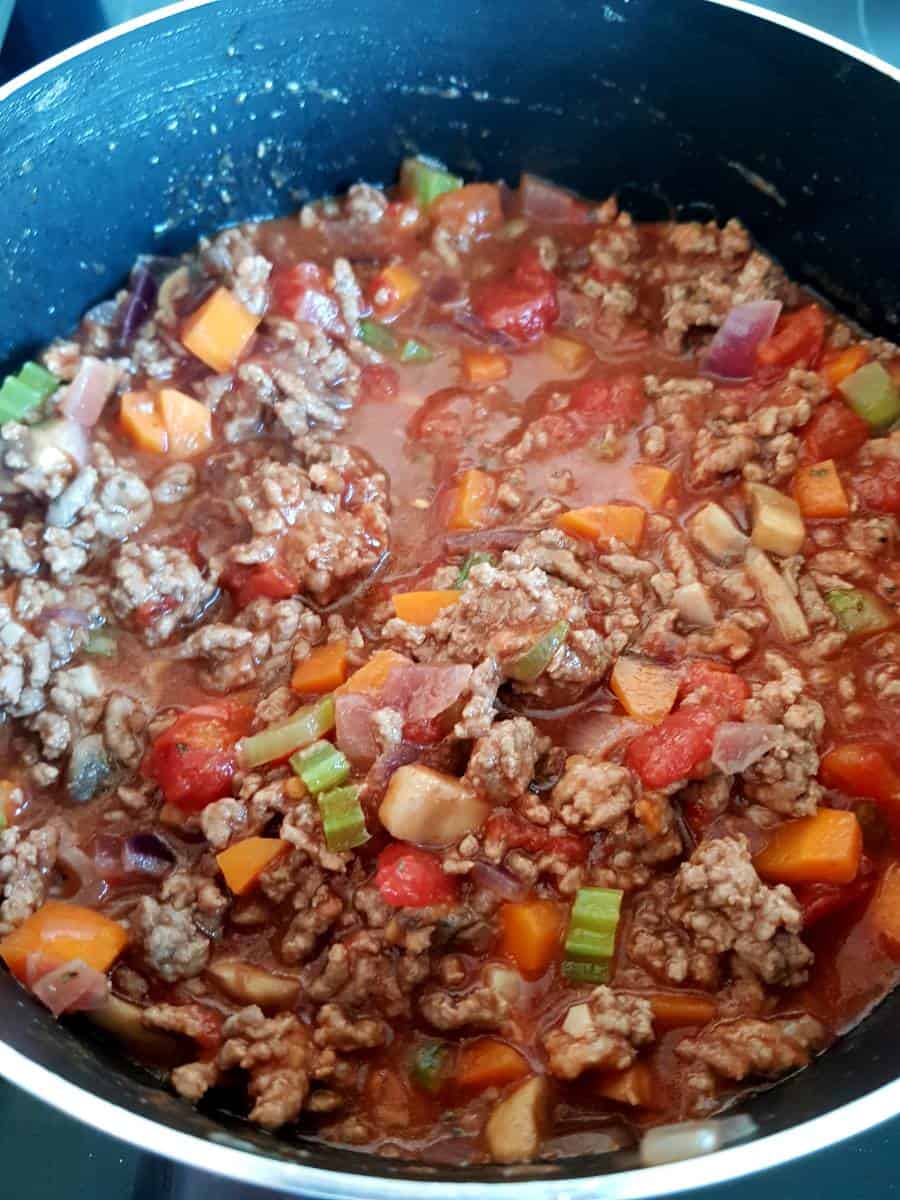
<point>820,900</point>
<point>879,488</point>
<point>797,341</point>
<point>377,383</point>
<point>672,750</point>
<point>861,769</point>
<point>248,583</point>
<point>722,690</point>
<point>834,431</point>
<point>473,208</point>
<point>194,760</point>
<point>522,304</point>
<point>518,834</point>
<point>152,610</point>
<point>618,401</point>
<point>408,877</point>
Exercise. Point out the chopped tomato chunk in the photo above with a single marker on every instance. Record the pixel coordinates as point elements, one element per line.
<point>673,750</point>
<point>879,488</point>
<point>194,760</point>
<point>301,293</point>
<point>617,401</point>
<point>518,834</point>
<point>834,431</point>
<point>408,877</point>
<point>378,383</point>
<point>796,342</point>
<point>720,688</point>
<point>522,304</point>
<point>249,583</point>
<point>821,900</point>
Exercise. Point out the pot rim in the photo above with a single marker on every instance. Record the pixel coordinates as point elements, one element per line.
<point>252,1166</point>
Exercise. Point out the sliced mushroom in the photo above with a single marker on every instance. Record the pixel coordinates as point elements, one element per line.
<point>124,1021</point>
<point>695,605</point>
<point>253,985</point>
<point>515,1127</point>
<point>713,529</point>
<point>780,600</point>
<point>428,808</point>
<point>777,521</point>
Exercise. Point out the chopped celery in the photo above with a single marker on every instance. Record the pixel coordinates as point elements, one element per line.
<point>343,819</point>
<point>470,561</point>
<point>307,725</point>
<point>25,391</point>
<point>424,181</point>
<point>429,1066</point>
<point>872,394</point>
<point>585,972</point>
<point>321,766</point>
<point>859,612</point>
<point>590,944</point>
<point>39,379</point>
<point>377,337</point>
<point>101,642</point>
<point>596,908</point>
<point>536,660</point>
<point>413,351</point>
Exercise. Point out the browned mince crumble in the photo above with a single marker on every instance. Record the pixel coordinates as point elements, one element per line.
<point>630,460</point>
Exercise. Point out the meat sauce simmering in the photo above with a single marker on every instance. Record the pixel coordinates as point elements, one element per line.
<point>449,670</point>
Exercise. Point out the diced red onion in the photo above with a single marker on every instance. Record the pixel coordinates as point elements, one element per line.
<point>64,614</point>
<point>139,305</point>
<point>72,987</point>
<point>470,324</point>
<point>498,881</point>
<point>355,728</point>
<point>147,854</point>
<point>422,692</point>
<point>732,352</point>
<point>543,201</point>
<point>318,308</point>
<point>89,391</point>
<point>484,539</point>
<point>599,732</point>
<point>737,745</point>
<point>535,713</point>
<point>385,765</point>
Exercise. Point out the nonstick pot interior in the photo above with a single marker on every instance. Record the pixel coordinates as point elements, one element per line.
<point>223,111</point>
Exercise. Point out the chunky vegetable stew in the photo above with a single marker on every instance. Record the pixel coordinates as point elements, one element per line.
<point>449,670</point>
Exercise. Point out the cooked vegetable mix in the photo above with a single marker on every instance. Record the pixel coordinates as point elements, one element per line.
<point>450,670</point>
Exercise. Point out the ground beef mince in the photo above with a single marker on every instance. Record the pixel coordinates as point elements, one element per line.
<point>449,675</point>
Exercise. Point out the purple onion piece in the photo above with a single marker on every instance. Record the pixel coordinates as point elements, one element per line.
<point>732,352</point>
<point>498,881</point>
<point>139,304</point>
<point>147,854</point>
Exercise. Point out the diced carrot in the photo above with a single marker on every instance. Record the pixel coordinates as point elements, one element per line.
<point>489,1063</point>
<point>393,289</point>
<point>676,1010</point>
<point>244,862</point>
<point>819,492</point>
<point>884,911</point>
<point>532,930</point>
<point>655,485</point>
<point>484,366</point>
<point>324,668</point>
<point>142,423</point>
<point>824,848</point>
<point>603,522</point>
<point>475,207</point>
<point>187,422</point>
<point>371,675</point>
<point>61,932</point>
<point>861,769</point>
<point>568,353</point>
<point>472,499</point>
<point>633,1086</point>
<point>420,608</point>
<point>218,332</point>
<point>838,365</point>
<point>646,691</point>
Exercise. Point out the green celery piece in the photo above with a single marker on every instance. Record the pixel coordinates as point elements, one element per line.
<point>859,612</point>
<point>536,660</point>
<point>101,642</point>
<point>343,820</point>
<point>425,181</point>
<point>871,393</point>
<point>39,379</point>
<point>429,1065</point>
<point>377,337</point>
<point>306,725</point>
<point>590,944</point>
<point>585,972</point>
<point>415,352</point>
<point>16,399</point>
<point>470,561</point>
<point>321,766</point>
<point>596,908</point>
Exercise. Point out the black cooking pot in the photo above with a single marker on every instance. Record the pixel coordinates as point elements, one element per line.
<point>142,139</point>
